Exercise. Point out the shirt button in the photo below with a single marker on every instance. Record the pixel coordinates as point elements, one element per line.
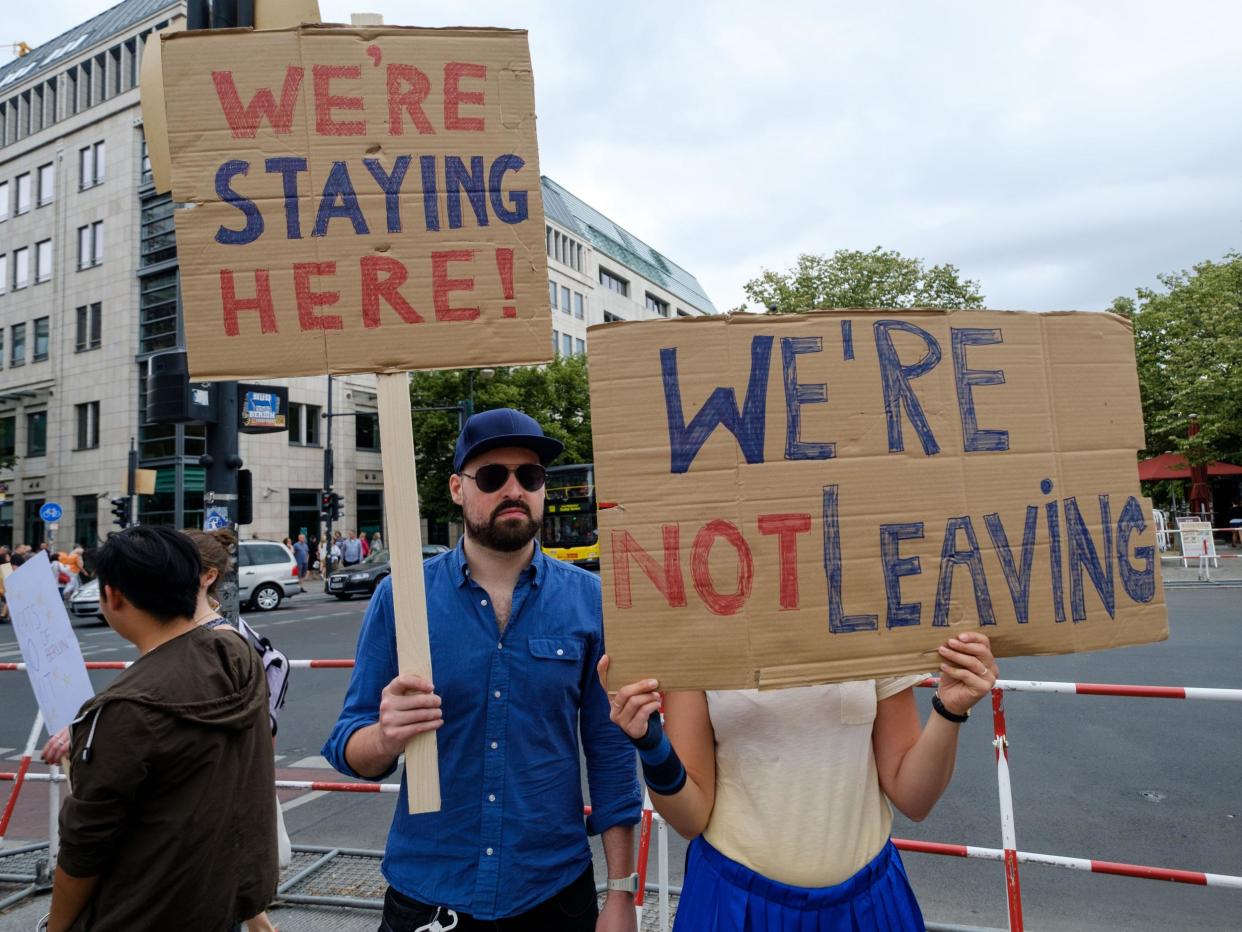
<point>489,852</point>
<point>491,797</point>
<point>494,745</point>
<point>559,651</point>
<point>482,601</point>
<point>496,694</point>
<point>499,646</point>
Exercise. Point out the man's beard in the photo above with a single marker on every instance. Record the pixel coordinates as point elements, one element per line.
<point>505,536</point>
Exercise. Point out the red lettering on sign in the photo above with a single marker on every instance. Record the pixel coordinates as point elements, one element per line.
<point>261,302</point>
<point>244,118</point>
<point>669,581</point>
<point>442,286</point>
<point>407,89</point>
<point>308,300</point>
<point>454,96</point>
<point>787,528</point>
<point>325,101</point>
<point>721,603</point>
<point>388,289</point>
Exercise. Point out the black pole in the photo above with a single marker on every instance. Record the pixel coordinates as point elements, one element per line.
<point>328,476</point>
<point>131,479</point>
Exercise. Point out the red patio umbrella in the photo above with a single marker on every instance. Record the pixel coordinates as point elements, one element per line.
<point>1174,466</point>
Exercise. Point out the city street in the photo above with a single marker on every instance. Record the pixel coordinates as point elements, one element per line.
<point>1144,781</point>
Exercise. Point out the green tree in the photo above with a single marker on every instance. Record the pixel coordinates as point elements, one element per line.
<point>852,278</point>
<point>555,395</point>
<point>1188,343</point>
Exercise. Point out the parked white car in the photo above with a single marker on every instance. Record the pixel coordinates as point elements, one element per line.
<point>266,575</point>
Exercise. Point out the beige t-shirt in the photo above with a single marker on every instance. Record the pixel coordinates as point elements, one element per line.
<point>797,793</point>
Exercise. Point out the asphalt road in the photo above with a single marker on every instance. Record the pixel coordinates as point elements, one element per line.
<point>1145,781</point>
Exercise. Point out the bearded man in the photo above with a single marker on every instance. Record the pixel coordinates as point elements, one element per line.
<point>515,637</point>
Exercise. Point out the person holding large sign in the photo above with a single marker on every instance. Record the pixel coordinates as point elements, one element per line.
<point>785,793</point>
<point>172,763</point>
<point>515,637</point>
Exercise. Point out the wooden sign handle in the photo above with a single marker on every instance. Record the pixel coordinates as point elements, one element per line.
<point>409,597</point>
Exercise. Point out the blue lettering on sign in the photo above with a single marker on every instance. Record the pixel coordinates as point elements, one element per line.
<point>896,381</point>
<point>952,557</point>
<point>720,409</point>
<point>390,184</point>
<point>339,187</point>
<point>974,438</point>
<point>431,197</point>
<point>288,168</point>
<point>847,339</point>
<point>1140,585</point>
<point>1055,561</point>
<point>900,614</point>
<point>507,163</point>
<point>838,621</point>
<point>457,180</point>
<point>1083,555</point>
<point>1017,577</point>
<point>799,394</point>
<point>224,190</point>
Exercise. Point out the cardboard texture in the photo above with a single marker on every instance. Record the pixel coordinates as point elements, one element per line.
<point>356,199</point>
<point>830,496</point>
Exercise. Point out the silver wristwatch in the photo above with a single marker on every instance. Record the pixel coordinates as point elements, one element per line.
<point>624,884</point>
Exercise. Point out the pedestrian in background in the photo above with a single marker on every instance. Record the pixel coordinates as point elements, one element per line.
<point>172,763</point>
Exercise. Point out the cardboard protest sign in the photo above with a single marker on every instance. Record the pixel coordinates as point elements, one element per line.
<point>53,658</point>
<point>825,497</point>
<point>356,199</point>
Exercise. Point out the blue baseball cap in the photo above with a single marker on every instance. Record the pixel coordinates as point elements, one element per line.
<point>503,427</point>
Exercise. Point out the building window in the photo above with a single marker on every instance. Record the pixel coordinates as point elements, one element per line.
<point>47,183</point>
<point>556,342</point>
<point>89,331</point>
<point>88,425</point>
<point>17,346</point>
<point>304,514</point>
<point>90,245</point>
<point>681,313</point>
<point>23,193</point>
<point>42,334</point>
<point>4,200</point>
<point>567,345</point>
<point>304,424</point>
<point>34,524</point>
<point>370,511</point>
<point>552,292</point>
<point>43,261</point>
<point>36,433</point>
<point>579,347</point>
<point>157,309</point>
<point>610,317</point>
<point>86,520</point>
<point>8,437</point>
<point>21,267</point>
<point>90,166</point>
<point>565,302</point>
<point>157,240</point>
<point>366,431</point>
<point>578,310</point>
<point>145,170</point>
<point>4,273</point>
<point>656,306</point>
<point>614,282</point>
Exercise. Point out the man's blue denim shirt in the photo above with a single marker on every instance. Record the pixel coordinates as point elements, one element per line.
<point>509,833</point>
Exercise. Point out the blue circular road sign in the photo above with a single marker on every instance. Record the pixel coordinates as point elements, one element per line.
<point>50,512</point>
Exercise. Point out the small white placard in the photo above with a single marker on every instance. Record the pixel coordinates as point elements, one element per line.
<point>48,645</point>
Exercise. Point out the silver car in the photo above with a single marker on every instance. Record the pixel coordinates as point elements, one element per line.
<point>266,573</point>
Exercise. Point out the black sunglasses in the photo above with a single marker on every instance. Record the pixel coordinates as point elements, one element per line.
<point>493,476</point>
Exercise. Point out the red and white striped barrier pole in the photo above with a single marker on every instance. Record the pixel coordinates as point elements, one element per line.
<point>21,774</point>
<point>1009,838</point>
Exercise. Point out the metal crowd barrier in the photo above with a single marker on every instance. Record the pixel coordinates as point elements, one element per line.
<point>313,859</point>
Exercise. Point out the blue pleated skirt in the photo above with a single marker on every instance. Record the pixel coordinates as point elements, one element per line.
<point>721,895</point>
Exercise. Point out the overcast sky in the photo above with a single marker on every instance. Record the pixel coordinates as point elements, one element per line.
<point>1058,153</point>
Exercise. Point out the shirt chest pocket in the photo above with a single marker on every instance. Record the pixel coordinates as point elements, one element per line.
<point>858,702</point>
<point>556,666</point>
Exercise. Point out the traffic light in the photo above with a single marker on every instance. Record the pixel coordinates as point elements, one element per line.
<point>330,504</point>
<point>121,511</point>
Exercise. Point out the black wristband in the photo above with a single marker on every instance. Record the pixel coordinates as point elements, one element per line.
<point>951,716</point>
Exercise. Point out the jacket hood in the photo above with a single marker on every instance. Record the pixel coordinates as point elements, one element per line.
<point>208,677</point>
